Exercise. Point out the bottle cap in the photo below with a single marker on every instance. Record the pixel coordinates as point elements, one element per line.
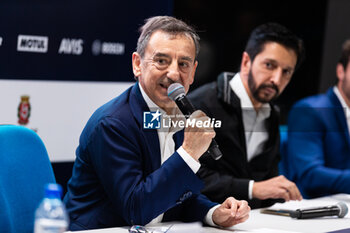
<point>53,190</point>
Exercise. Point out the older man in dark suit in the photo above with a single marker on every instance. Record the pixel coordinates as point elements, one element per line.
<point>125,174</point>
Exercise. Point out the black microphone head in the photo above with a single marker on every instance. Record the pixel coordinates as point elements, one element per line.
<point>343,209</point>
<point>175,91</point>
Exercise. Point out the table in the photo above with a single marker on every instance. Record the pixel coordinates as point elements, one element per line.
<point>264,223</point>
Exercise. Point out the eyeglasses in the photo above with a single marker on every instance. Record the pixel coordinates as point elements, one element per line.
<point>138,229</point>
<point>142,229</point>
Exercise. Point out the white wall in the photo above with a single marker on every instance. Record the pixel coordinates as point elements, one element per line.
<point>336,32</point>
<point>59,109</point>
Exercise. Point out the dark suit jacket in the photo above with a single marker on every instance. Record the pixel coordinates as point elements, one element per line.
<point>230,175</point>
<point>118,178</point>
<point>319,146</point>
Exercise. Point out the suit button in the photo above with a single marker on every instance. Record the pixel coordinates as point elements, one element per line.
<point>187,195</point>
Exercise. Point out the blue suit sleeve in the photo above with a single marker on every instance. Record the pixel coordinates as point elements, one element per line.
<point>307,157</point>
<point>139,191</point>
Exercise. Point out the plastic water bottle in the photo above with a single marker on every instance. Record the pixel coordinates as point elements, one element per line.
<point>51,215</point>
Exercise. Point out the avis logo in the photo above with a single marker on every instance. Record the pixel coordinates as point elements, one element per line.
<point>151,120</point>
<point>71,46</point>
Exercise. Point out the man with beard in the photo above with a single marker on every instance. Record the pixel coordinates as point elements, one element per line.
<point>249,135</point>
<point>318,157</point>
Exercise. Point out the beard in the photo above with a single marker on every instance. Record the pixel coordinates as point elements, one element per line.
<point>257,91</point>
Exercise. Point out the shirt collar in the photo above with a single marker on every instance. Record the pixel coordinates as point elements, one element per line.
<point>342,102</point>
<point>239,89</point>
<point>151,105</point>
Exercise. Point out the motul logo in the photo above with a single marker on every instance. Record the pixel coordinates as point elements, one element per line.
<point>35,44</point>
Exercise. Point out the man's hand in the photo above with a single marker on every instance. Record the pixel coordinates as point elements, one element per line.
<point>197,139</point>
<point>276,187</point>
<point>231,212</point>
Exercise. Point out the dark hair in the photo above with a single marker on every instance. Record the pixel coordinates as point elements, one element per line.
<point>273,32</point>
<point>166,24</point>
<point>345,54</point>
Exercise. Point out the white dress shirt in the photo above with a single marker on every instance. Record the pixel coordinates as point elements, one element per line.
<point>167,148</point>
<point>344,105</point>
<point>256,134</point>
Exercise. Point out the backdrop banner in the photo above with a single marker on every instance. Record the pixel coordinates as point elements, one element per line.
<point>60,60</point>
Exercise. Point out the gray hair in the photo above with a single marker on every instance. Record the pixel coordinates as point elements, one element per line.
<point>166,24</point>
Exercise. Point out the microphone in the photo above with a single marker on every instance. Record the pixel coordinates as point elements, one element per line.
<point>340,210</point>
<point>176,92</point>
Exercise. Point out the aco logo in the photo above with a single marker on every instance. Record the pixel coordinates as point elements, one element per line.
<point>23,110</point>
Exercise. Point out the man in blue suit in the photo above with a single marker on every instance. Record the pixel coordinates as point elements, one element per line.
<point>125,174</point>
<point>318,137</point>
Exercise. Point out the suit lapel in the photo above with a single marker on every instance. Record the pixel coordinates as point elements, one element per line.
<point>233,106</point>
<point>178,138</point>
<point>138,106</point>
<point>232,103</point>
<point>236,106</point>
<point>273,129</point>
<point>339,113</point>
